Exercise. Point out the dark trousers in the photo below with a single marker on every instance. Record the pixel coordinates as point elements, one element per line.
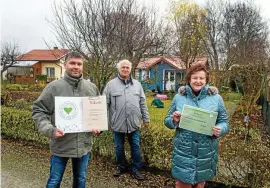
<point>134,142</point>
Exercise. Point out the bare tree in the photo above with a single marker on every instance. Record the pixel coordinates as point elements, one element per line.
<point>214,26</point>
<point>247,47</point>
<point>245,34</point>
<point>105,32</point>
<point>9,54</point>
<point>190,30</point>
<point>140,34</point>
<point>235,32</point>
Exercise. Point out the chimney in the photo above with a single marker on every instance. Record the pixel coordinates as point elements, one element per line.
<point>55,48</point>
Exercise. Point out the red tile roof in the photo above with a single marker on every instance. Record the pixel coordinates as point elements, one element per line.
<point>44,55</point>
<point>174,61</point>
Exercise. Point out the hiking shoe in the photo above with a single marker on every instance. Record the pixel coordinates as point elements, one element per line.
<point>138,175</point>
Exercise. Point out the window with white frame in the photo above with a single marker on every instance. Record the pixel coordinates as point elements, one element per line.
<point>145,74</point>
<point>50,71</point>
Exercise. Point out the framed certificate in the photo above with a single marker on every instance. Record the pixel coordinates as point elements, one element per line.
<point>198,120</point>
<point>81,114</point>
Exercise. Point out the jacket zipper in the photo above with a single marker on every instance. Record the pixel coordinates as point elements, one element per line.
<point>126,107</point>
<point>77,135</point>
<point>115,103</point>
<point>77,145</point>
<point>196,174</point>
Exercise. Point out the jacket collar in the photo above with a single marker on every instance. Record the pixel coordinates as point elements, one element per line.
<point>129,81</point>
<point>72,81</point>
<point>202,94</point>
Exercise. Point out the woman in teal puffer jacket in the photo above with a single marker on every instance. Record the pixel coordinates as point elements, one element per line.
<point>195,155</point>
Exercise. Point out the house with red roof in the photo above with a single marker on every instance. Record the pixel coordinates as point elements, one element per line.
<point>46,62</point>
<point>165,73</point>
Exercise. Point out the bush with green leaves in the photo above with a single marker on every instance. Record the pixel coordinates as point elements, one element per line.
<point>149,93</point>
<point>36,87</point>
<point>244,161</point>
<point>21,104</point>
<point>23,87</point>
<point>103,145</point>
<point>156,146</point>
<point>16,86</point>
<point>28,96</point>
<point>41,77</point>
<point>18,124</point>
<point>5,97</point>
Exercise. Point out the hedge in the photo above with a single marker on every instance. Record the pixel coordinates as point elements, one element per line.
<point>13,95</point>
<point>18,124</point>
<point>241,162</point>
<point>23,87</point>
<point>155,145</point>
<point>41,77</point>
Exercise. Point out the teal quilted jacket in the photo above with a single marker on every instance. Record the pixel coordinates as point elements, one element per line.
<point>195,155</point>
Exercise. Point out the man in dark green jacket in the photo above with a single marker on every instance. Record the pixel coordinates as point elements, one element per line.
<point>76,146</point>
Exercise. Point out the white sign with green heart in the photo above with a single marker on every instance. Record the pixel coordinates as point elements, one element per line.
<point>68,113</point>
<point>81,114</point>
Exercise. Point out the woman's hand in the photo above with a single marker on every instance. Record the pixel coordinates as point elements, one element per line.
<point>176,117</point>
<point>216,131</point>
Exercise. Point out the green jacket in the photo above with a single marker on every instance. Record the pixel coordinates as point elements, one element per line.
<point>71,144</point>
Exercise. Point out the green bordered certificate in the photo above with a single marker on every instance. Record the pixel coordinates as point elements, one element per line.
<point>81,114</point>
<point>198,120</point>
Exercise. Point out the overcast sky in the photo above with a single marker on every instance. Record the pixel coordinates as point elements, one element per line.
<point>24,21</point>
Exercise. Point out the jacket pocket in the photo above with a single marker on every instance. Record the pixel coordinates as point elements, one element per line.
<point>136,95</point>
<point>87,140</point>
<point>135,117</point>
<point>115,98</point>
<point>88,137</point>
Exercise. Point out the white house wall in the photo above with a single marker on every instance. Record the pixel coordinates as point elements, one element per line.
<point>5,75</point>
<point>62,61</point>
<point>19,70</point>
<point>137,74</point>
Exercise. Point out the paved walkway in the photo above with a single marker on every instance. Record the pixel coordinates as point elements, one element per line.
<point>231,109</point>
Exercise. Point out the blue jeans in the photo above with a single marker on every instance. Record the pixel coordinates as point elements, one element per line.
<point>58,166</point>
<point>134,142</point>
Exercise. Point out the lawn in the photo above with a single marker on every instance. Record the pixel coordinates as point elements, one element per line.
<point>157,115</point>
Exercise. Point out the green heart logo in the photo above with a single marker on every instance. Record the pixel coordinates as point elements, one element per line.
<point>68,110</point>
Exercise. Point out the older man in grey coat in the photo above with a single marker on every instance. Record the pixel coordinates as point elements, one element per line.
<point>127,108</point>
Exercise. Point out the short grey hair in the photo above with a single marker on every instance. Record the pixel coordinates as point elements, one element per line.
<point>124,61</point>
<point>73,54</point>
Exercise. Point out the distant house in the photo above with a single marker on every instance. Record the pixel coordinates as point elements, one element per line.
<point>35,62</point>
<point>165,73</point>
